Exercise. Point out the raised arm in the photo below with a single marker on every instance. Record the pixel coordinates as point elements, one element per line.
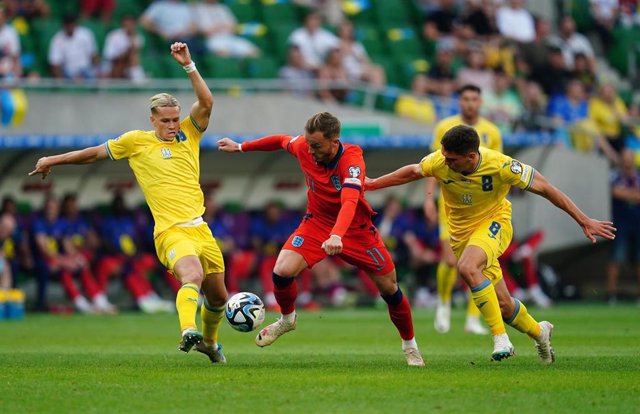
<point>201,109</point>
<point>590,227</point>
<point>84,156</point>
<point>400,176</point>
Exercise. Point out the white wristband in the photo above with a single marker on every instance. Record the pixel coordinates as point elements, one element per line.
<point>191,67</point>
<point>335,235</point>
<point>240,148</point>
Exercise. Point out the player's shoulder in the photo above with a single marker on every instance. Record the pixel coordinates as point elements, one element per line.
<point>488,126</point>
<point>493,157</point>
<point>352,150</point>
<point>449,122</point>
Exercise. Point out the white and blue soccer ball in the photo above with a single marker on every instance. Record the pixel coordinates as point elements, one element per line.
<point>244,311</point>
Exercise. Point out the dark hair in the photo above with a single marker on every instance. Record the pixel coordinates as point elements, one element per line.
<point>469,87</point>
<point>461,140</point>
<point>324,122</point>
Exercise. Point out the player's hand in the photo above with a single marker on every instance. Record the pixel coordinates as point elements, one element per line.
<point>604,229</point>
<point>368,184</point>
<point>180,52</point>
<point>228,145</point>
<point>333,245</point>
<point>42,167</point>
<point>430,212</point>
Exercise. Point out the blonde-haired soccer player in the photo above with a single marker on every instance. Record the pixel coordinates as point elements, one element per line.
<point>166,164</point>
<point>475,182</point>
<point>469,101</point>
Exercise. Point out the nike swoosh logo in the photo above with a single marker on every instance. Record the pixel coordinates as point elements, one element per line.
<point>447,181</point>
<point>505,164</point>
<point>482,304</point>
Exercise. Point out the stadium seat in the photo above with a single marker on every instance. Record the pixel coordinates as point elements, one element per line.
<point>123,8</point>
<point>403,42</point>
<point>392,12</point>
<point>369,36</point>
<point>359,11</point>
<point>257,33</point>
<point>224,68</point>
<point>279,40</point>
<point>243,10</point>
<point>276,12</point>
<point>98,29</point>
<point>262,68</point>
<point>408,67</point>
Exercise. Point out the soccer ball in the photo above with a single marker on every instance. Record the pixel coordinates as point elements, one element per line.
<point>244,311</point>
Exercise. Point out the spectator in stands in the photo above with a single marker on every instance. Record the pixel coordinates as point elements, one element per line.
<point>625,190</point>
<point>416,105</point>
<point>609,113</point>
<point>356,60</point>
<point>172,20</point>
<point>553,76</point>
<point>122,52</point>
<point>570,112</point>
<point>475,70</point>
<point>99,8</point>
<point>10,67</point>
<point>502,105</point>
<point>49,235</point>
<point>333,78</point>
<point>297,73</point>
<point>314,42</point>
<point>584,71</point>
<point>572,43</point>
<point>445,101</point>
<point>73,51</point>
<point>605,15</point>
<point>330,10</point>
<point>515,22</point>
<point>534,110</point>
<point>16,247</point>
<point>442,21</point>
<point>122,256</point>
<point>536,52</point>
<point>217,24</point>
<point>629,13</point>
<point>443,69</point>
<point>478,19</point>
<point>8,226</point>
<point>28,9</point>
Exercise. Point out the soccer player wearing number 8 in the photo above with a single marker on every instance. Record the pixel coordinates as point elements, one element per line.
<point>337,222</point>
<point>475,182</point>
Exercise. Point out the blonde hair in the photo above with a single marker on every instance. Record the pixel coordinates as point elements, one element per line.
<point>162,100</point>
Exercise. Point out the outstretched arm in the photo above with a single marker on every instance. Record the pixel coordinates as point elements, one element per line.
<point>84,156</point>
<point>201,109</point>
<point>400,176</point>
<point>590,227</point>
<point>269,143</point>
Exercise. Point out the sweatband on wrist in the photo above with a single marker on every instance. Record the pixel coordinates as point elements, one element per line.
<point>191,67</point>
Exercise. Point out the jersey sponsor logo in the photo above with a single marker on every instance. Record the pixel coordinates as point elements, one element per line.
<point>181,137</point>
<point>516,167</point>
<point>297,241</point>
<point>355,181</point>
<point>354,171</point>
<point>336,182</point>
<point>467,199</point>
<point>166,153</point>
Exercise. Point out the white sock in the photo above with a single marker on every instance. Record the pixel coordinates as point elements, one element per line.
<point>290,318</point>
<point>411,343</point>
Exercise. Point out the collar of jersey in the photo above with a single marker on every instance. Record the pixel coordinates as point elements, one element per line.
<point>332,164</point>
<point>477,165</point>
<point>163,141</point>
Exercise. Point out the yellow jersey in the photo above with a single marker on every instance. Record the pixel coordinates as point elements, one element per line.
<point>607,118</point>
<point>489,133</point>
<point>482,194</point>
<point>167,171</point>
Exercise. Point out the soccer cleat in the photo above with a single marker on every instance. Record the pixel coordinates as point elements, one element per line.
<point>269,334</point>
<point>474,326</point>
<point>190,337</point>
<point>543,343</point>
<point>538,297</point>
<point>502,348</point>
<point>442,322</point>
<point>215,354</point>
<point>414,359</point>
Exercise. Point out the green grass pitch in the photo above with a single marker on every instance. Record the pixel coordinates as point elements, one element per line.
<point>346,361</point>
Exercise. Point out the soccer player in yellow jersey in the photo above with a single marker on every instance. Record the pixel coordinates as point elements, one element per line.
<point>470,100</point>
<point>475,182</point>
<point>166,164</point>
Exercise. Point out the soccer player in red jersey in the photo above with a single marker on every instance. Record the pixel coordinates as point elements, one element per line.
<point>337,222</point>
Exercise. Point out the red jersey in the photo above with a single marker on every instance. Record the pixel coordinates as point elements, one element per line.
<point>329,185</point>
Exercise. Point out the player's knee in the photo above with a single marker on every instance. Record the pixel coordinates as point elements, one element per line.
<point>192,276</point>
<point>467,271</point>
<point>284,270</point>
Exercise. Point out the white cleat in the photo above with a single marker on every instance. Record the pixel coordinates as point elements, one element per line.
<point>268,335</point>
<point>474,326</point>
<point>442,322</point>
<point>502,348</point>
<point>414,359</point>
<point>543,343</point>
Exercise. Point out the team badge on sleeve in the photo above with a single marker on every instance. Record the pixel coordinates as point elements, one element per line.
<point>354,171</point>
<point>297,241</point>
<point>516,167</point>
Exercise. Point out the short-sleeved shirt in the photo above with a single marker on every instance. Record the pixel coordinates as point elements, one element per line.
<point>471,199</point>
<point>325,181</point>
<point>490,136</point>
<point>167,171</point>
